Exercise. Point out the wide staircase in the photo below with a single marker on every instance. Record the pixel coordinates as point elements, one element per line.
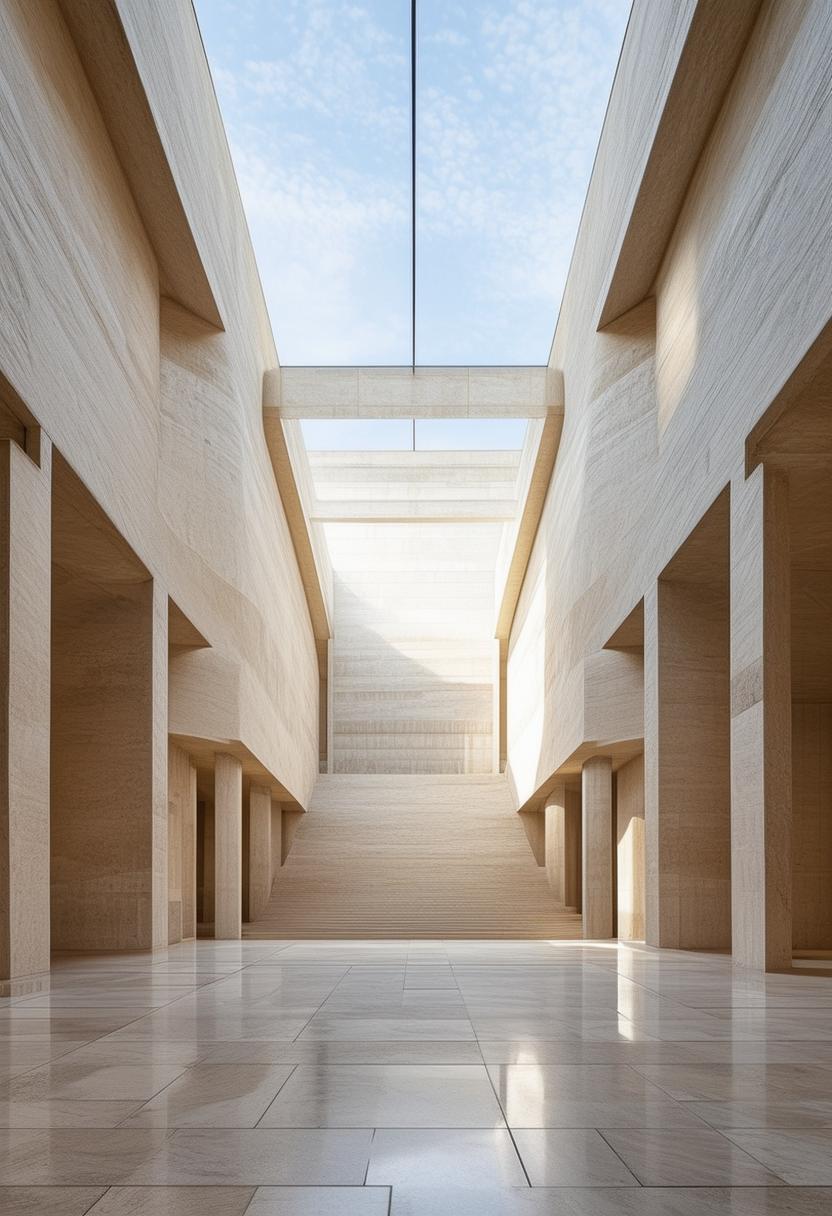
<point>412,856</point>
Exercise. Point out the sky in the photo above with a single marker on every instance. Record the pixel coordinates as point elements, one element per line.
<point>315,95</point>
<point>428,435</point>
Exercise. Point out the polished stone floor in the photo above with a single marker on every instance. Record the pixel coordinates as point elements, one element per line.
<point>418,1078</point>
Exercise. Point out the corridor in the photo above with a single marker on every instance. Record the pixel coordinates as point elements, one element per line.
<point>422,1078</point>
<point>416,608</point>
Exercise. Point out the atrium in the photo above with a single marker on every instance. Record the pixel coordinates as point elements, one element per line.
<point>416,740</point>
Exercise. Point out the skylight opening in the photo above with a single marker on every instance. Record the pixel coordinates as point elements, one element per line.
<point>510,98</point>
<point>431,434</point>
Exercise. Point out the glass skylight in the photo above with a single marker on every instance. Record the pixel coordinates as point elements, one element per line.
<point>315,95</point>
<point>397,434</point>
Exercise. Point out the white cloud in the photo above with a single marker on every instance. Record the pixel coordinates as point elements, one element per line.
<point>514,169</point>
<point>444,37</point>
<point>339,63</point>
<point>313,235</point>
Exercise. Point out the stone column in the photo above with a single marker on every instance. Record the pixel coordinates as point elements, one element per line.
<point>228,847</point>
<point>686,765</point>
<point>206,870</point>
<point>189,858</point>
<point>156,599</point>
<point>761,793</point>
<point>597,885</point>
<point>554,814</point>
<point>259,849</point>
<point>181,845</point>
<point>25,581</point>
<point>563,845</point>
<point>629,809</point>
<point>277,838</point>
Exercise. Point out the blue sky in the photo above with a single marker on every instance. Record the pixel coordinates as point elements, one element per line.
<point>315,95</point>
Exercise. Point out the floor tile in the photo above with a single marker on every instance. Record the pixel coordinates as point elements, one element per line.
<point>358,1095</point>
<point>320,1201</point>
<point>522,1028</point>
<point>429,977</point>
<point>739,1082</point>
<point>15,1052</point>
<point>260,1157</point>
<point>74,1157</point>
<point>394,1008</point>
<point>214,1095</point>
<point>87,1081</point>
<point>809,1113</point>
<point>148,998</point>
<point>603,1030</point>
<point>367,1051</point>
<point>8,1071</point>
<point>471,1160</point>
<point>158,1054</point>
<point>388,1029</point>
<point>174,1201</point>
<point>78,1024</point>
<point>213,1027</point>
<point>364,1057</point>
<point>620,1201</point>
<point>754,1052</point>
<point>550,1051</point>
<point>802,1158</point>
<point>570,1158</point>
<point>65,1112</point>
<point>47,1200</point>
<point>583,1095</point>
<point>661,1157</point>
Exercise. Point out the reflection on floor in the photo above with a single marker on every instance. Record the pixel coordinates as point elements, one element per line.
<point>418,1078</point>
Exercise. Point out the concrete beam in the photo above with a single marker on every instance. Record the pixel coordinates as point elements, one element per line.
<point>429,392</point>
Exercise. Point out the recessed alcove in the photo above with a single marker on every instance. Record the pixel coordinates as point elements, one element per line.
<point>109,720</point>
<point>687,735</point>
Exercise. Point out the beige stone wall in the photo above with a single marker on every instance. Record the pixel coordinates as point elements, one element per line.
<point>413,652</point>
<point>156,411</point>
<point>414,539</point>
<point>659,403</point>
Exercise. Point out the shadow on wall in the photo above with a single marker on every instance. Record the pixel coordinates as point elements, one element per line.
<point>408,704</point>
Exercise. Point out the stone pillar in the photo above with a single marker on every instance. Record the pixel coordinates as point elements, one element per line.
<point>177,785</point>
<point>25,580</point>
<point>573,851</point>
<point>597,885</point>
<point>205,863</point>
<point>554,814</point>
<point>158,611</point>
<point>189,858</point>
<point>259,849</point>
<point>686,765</point>
<point>228,847</point>
<point>181,845</point>
<point>563,845</point>
<point>629,886</point>
<point>761,793</point>
<point>277,838</point>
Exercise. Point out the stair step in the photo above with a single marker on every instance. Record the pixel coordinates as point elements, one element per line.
<point>397,856</point>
